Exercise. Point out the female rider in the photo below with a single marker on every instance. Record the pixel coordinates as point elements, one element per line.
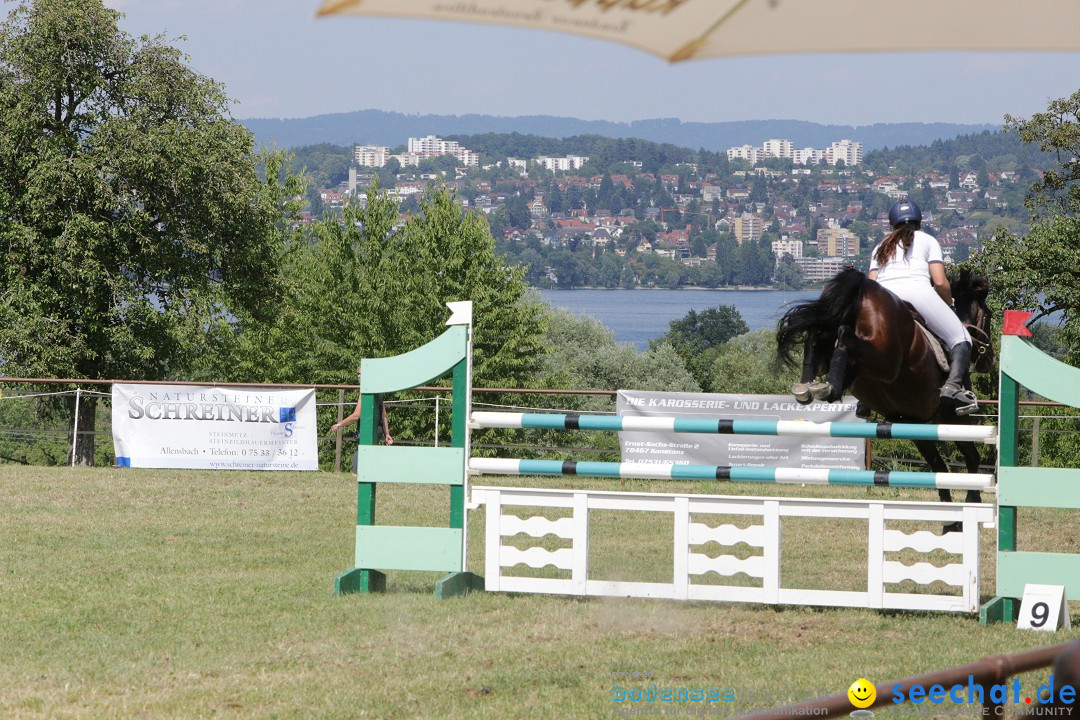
<point>909,263</point>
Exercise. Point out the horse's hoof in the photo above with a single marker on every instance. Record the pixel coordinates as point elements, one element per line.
<point>801,391</point>
<point>953,527</point>
<point>821,390</point>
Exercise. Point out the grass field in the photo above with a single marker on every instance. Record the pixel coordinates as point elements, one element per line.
<point>169,594</point>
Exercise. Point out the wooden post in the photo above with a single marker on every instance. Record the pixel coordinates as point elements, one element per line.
<point>337,440</point>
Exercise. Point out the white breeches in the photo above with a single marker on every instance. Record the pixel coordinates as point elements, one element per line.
<point>939,317</point>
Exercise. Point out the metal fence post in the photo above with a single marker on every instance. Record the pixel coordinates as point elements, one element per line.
<point>75,431</point>
<point>1035,441</point>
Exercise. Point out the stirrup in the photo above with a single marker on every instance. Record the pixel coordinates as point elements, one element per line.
<point>964,401</point>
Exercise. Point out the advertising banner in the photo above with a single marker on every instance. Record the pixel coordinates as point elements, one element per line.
<point>744,450</point>
<point>206,428</point>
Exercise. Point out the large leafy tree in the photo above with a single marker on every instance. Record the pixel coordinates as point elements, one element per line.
<point>371,285</point>
<point>1041,270</point>
<point>697,336</point>
<point>130,207</point>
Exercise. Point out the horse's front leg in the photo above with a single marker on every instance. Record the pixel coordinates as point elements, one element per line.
<point>801,389</point>
<point>833,388</point>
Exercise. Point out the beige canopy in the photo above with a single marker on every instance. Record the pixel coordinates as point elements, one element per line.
<point>686,29</point>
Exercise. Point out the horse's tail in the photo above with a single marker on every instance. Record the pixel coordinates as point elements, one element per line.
<point>819,320</point>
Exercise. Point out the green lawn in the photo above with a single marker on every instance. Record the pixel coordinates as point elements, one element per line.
<point>169,594</point>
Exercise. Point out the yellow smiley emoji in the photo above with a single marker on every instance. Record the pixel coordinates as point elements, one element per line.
<point>862,693</point>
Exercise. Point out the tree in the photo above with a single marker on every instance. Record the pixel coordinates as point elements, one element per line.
<point>132,212</point>
<point>369,287</point>
<point>696,337</point>
<point>788,275</point>
<point>1037,270</point>
<point>697,332</point>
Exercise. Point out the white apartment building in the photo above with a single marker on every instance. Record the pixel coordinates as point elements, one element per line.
<point>844,150</point>
<point>808,156</point>
<point>371,155</point>
<point>748,153</point>
<point>780,248</point>
<point>562,164</point>
<point>432,146</point>
<point>778,148</point>
<point>820,269</point>
<point>848,151</point>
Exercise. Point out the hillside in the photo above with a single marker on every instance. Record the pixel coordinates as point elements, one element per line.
<point>378,127</point>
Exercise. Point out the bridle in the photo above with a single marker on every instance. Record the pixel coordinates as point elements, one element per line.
<point>982,349</point>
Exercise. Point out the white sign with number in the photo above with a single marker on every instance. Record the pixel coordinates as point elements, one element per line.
<point>1044,607</point>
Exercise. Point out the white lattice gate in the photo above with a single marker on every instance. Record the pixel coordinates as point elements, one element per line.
<point>691,562</point>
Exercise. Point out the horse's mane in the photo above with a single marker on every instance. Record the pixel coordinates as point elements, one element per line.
<point>819,320</point>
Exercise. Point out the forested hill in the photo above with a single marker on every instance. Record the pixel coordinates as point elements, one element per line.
<point>377,127</point>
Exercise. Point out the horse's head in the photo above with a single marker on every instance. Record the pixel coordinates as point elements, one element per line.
<point>969,292</point>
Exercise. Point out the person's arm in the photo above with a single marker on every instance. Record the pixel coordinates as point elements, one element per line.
<point>386,429</point>
<point>872,274</point>
<point>941,282</point>
<point>349,419</point>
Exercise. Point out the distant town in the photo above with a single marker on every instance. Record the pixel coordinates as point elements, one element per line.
<point>806,212</point>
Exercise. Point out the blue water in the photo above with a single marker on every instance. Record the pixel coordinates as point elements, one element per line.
<point>638,316</point>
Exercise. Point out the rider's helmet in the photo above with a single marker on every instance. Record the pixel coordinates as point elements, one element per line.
<point>904,211</point>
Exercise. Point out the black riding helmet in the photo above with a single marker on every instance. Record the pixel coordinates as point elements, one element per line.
<point>903,212</point>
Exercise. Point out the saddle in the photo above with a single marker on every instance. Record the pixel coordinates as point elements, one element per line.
<point>980,343</point>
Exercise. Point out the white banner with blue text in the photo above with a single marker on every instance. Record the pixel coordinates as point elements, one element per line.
<point>729,449</point>
<point>210,428</point>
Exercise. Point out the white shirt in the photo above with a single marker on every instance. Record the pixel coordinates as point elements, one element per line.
<point>909,267</point>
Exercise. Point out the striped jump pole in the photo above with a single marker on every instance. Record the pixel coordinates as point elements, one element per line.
<point>792,428</point>
<point>667,471</point>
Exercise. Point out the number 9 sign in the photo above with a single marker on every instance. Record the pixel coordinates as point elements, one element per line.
<point>1044,607</point>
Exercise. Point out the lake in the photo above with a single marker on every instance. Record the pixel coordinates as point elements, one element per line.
<point>638,316</point>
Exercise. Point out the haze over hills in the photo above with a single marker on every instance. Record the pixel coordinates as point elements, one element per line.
<point>379,127</point>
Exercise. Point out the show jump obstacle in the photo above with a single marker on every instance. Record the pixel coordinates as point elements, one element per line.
<point>566,568</point>
<point>1023,365</point>
<point>387,547</point>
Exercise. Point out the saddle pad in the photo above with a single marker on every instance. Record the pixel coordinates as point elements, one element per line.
<point>936,346</point>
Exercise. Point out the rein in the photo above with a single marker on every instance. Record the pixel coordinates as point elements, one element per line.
<point>982,350</point>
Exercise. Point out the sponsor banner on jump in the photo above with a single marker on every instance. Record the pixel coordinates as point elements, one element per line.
<point>206,428</point>
<point>744,450</point>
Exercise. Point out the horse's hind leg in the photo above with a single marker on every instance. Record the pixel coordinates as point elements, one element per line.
<point>970,451</point>
<point>928,449</point>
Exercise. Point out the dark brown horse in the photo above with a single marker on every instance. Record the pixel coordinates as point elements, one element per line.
<point>863,338</point>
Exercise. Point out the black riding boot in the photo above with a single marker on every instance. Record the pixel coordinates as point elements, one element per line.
<point>953,390</point>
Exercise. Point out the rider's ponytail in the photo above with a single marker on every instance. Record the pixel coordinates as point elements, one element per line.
<point>904,234</point>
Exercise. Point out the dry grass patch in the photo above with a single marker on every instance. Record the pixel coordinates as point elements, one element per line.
<point>169,594</point>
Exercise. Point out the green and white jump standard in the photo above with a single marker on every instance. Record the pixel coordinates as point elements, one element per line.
<point>383,547</point>
<point>1024,365</point>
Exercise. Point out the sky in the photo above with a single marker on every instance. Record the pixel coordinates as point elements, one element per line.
<point>277,60</point>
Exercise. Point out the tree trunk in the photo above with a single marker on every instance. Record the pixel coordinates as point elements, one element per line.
<point>84,444</point>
